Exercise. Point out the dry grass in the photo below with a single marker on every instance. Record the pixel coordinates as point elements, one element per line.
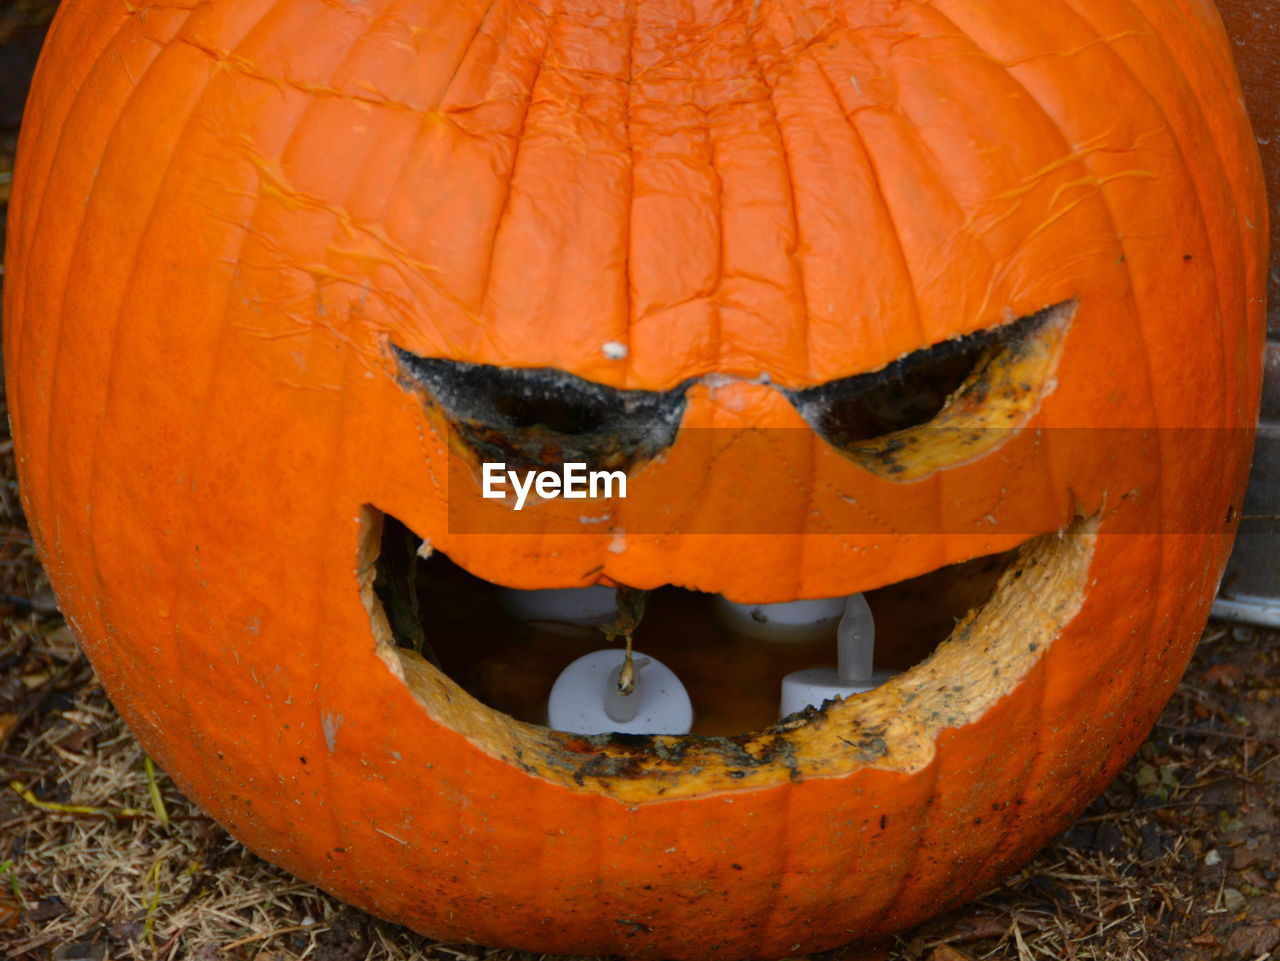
<point>101,858</point>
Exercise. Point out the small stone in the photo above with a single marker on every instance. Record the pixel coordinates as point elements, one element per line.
<point>1224,675</point>
<point>79,951</point>
<point>1082,836</point>
<point>945,952</point>
<point>78,741</point>
<point>1228,823</point>
<point>126,931</point>
<point>46,910</point>
<point>1253,940</point>
<point>1153,842</point>
<point>1256,878</point>
<point>1212,858</point>
<point>1232,899</point>
<point>1109,839</point>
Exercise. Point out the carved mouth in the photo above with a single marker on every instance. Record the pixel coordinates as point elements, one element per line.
<point>962,636</point>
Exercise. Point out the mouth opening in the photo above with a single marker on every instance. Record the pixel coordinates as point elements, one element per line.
<point>961,637</point>
<point>483,638</point>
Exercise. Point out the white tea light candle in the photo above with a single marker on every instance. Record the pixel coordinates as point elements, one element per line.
<point>568,610</point>
<point>854,672</point>
<point>585,698</point>
<point>790,622</point>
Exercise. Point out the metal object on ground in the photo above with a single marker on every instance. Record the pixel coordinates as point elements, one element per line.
<point>1251,588</point>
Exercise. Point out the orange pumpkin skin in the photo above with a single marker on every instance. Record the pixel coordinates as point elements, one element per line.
<point>223,212</point>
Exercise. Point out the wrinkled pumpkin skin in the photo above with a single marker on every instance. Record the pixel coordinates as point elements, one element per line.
<point>224,212</point>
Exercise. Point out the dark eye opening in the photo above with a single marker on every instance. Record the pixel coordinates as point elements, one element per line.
<point>909,392</point>
<point>543,417</point>
<point>567,413</point>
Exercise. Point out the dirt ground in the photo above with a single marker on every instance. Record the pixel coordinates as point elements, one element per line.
<point>101,858</point>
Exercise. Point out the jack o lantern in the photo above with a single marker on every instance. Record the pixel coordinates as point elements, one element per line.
<point>942,303</point>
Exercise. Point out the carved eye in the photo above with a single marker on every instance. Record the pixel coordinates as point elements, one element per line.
<point>540,417</point>
<point>943,405</point>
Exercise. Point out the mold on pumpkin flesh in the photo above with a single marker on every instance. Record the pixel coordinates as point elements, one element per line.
<point>934,410</point>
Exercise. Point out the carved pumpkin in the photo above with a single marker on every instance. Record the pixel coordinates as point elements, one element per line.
<point>861,294</point>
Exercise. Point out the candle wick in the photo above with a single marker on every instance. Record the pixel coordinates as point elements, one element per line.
<point>627,676</point>
<point>630,603</point>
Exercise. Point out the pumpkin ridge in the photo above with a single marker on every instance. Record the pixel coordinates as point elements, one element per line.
<point>25,238</point>
<point>1039,676</point>
<point>57,371</point>
<point>1195,173</point>
<point>796,243</point>
<point>1190,170</point>
<point>912,861</point>
<point>1189,176</point>
<point>1085,160</point>
<point>943,170</point>
<point>464,51</point>
<point>880,199</point>
<point>509,178</point>
<point>184,587</point>
<point>61,362</point>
